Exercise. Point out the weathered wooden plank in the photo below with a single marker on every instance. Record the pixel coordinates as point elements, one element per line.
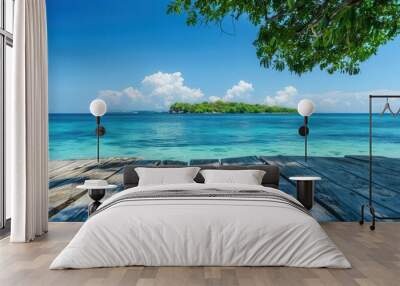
<point>75,164</point>
<point>147,163</point>
<point>69,173</point>
<point>65,204</point>
<point>55,165</point>
<point>334,170</point>
<point>248,160</point>
<point>392,164</point>
<point>61,189</point>
<point>67,163</point>
<point>62,196</point>
<point>116,179</point>
<point>71,214</point>
<point>341,202</point>
<point>79,174</point>
<point>62,192</point>
<point>386,180</point>
<point>173,163</point>
<point>77,210</point>
<point>204,162</point>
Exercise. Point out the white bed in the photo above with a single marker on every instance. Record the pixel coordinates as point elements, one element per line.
<point>202,231</point>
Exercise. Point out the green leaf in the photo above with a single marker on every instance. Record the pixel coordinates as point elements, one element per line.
<point>300,35</point>
<point>291,4</point>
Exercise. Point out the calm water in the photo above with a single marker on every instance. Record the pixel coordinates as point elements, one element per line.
<point>188,136</point>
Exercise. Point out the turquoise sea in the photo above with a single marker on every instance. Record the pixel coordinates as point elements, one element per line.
<point>201,136</point>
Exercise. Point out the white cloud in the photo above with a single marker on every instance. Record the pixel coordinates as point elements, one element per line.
<point>328,101</point>
<point>157,91</point>
<point>112,95</point>
<point>284,97</point>
<point>346,101</point>
<point>132,93</point>
<point>214,98</point>
<point>331,101</point>
<point>122,100</point>
<point>240,90</point>
<point>350,101</point>
<point>171,86</point>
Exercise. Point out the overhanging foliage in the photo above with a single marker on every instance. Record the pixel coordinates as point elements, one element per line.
<point>299,35</point>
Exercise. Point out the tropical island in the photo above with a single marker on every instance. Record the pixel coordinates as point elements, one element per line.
<point>226,107</point>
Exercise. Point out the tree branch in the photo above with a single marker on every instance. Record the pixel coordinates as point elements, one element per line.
<point>314,22</point>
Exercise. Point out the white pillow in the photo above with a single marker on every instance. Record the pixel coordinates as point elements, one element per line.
<point>166,176</point>
<point>248,177</point>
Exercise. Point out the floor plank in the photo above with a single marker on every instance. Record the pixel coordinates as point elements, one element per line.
<point>204,162</point>
<point>248,160</point>
<point>391,164</point>
<point>375,258</point>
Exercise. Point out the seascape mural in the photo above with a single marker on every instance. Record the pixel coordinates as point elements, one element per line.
<point>176,92</point>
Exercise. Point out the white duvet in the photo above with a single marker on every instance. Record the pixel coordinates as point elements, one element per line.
<point>200,231</point>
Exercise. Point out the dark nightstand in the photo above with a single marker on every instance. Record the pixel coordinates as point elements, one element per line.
<point>305,189</point>
<point>96,191</point>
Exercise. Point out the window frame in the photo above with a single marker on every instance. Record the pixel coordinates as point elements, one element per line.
<point>6,39</point>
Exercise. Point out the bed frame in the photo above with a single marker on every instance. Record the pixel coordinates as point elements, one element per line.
<point>270,179</point>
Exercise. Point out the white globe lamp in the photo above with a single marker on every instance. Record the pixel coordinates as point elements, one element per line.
<point>305,108</point>
<point>98,108</point>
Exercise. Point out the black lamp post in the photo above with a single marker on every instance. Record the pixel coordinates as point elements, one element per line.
<point>305,108</point>
<point>98,108</point>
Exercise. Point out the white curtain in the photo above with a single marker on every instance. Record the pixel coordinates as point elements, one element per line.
<point>27,123</point>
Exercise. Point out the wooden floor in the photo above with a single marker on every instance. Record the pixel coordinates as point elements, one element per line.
<point>343,189</point>
<point>374,255</point>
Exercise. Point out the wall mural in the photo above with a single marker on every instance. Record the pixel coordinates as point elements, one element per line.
<point>177,93</point>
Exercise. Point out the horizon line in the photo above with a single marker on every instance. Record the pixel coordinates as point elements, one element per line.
<point>154,111</point>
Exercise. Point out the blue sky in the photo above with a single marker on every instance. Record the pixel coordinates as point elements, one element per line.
<point>136,57</point>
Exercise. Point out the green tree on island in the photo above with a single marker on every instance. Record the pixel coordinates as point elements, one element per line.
<point>226,107</point>
<point>302,34</point>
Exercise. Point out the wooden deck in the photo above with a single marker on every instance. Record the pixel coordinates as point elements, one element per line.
<point>344,185</point>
